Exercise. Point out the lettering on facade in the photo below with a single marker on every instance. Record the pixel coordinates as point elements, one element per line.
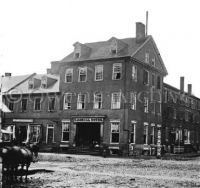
<point>23,120</point>
<point>88,119</point>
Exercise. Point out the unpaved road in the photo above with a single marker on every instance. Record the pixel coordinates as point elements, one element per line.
<point>90,171</point>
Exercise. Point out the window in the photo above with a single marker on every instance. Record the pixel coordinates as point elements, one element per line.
<point>145,138</point>
<point>81,101</point>
<point>186,136</point>
<point>152,133</point>
<point>159,108</point>
<point>69,75</point>
<point>82,74</point>
<point>65,131</point>
<point>11,105</point>
<point>76,55</point>
<point>134,72</point>
<point>117,71</point>
<point>114,51</point>
<point>153,62</point>
<point>146,104</point>
<point>186,116</point>
<point>146,57</point>
<point>153,79</point>
<point>133,132</point>
<point>174,114</point>
<point>37,104</point>
<point>158,82</point>
<point>52,101</point>
<point>153,107</point>
<point>44,82</point>
<point>97,101</point>
<point>145,77</point>
<point>116,100</point>
<point>24,103</point>
<point>30,84</point>
<point>133,100</point>
<point>165,95</point>
<point>115,132</point>
<point>98,72</point>
<point>67,101</point>
<point>34,133</point>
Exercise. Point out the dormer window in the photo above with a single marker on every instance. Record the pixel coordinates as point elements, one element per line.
<point>114,51</point>
<point>44,82</point>
<point>153,62</point>
<point>76,55</point>
<point>146,57</point>
<point>30,84</point>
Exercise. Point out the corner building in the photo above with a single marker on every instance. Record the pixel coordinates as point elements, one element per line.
<point>111,93</point>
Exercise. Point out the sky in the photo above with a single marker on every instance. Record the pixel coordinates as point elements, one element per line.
<point>35,32</point>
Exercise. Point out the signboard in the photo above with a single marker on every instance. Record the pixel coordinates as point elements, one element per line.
<point>23,120</point>
<point>88,119</point>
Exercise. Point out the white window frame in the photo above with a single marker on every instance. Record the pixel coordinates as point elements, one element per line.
<point>116,72</point>
<point>67,105</point>
<point>96,103</point>
<point>98,70</point>
<point>69,72</point>
<point>111,130</point>
<point>134,73</point>
<point>147,57</point>
<point>146,104</point>
<point>35,104</point>
<point>133,131</point>
<point>133,100</point>
<point>146,127</point>
<point>117,104</point>
<point>68,131</point>
<point>47,131</point>
<point>79,74</point>
<point>79,103</point>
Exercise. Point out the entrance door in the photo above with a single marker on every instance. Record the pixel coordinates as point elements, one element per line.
<point>22,133</point>
<point>50,134</point>
<point>87,134</point>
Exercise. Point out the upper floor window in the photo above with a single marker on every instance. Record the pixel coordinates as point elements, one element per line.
<point>115,126</point>
<point>69,75</point>
<point>24,103</point>
<point>30,84</point>
<point>153,62</point>
<point>146,104</point>
<point>158,82</point>
<point>11,105</point>
<point>82,74</point>
<point>114,51</point>
<point>117,71</point>
<point>116,100</point>
<point>133,100</point>
<point>133,132</point>
<point>146,57</point>
<point>97,101</point>
<point>98,72</point>
<point>153,79</point>
<point>174,114</point>
<point>81,101</point>
<point>186,116</point>
<point>65,131</point>
<point>145,77</point>
<point>67,101</point>
<point>76,55</point>
<point>134,72</point>
<point>44,82</point>
<point>52,102</point>
<point>37,105</point>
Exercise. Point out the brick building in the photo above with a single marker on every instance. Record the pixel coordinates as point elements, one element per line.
<point>181,120</point>
<point>107,93</point>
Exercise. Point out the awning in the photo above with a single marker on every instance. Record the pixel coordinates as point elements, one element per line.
<point>6,131</point>
<point>4,108</point>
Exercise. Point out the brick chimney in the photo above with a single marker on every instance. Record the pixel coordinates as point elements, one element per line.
<point>140,32</point>
<point>182,84</point>
<point>189,89</point>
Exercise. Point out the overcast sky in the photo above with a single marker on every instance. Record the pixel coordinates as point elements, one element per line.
<point>35,32</point>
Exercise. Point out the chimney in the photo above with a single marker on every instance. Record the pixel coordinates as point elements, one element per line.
<point>8,74</point>
<point>140,32</point>
<point>189,89</point>
<point>182,84</point>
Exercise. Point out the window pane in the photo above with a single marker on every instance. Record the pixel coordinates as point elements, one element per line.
<point>99,72</point>
<point>117,70</point>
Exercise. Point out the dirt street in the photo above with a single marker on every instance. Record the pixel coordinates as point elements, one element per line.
<point>91,171</point>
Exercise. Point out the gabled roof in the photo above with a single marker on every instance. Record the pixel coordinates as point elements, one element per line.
<point>101,50</point>
<point>24,87</point>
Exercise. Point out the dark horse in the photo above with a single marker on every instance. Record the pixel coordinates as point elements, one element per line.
<point>15,158</point>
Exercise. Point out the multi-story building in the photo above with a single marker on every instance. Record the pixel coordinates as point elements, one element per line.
<point>34,102</point>
<point>181,120</point>
<point>107,93</point>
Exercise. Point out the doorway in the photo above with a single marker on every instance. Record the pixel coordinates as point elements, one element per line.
<point>50,134</point>
<point>87,134</point>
